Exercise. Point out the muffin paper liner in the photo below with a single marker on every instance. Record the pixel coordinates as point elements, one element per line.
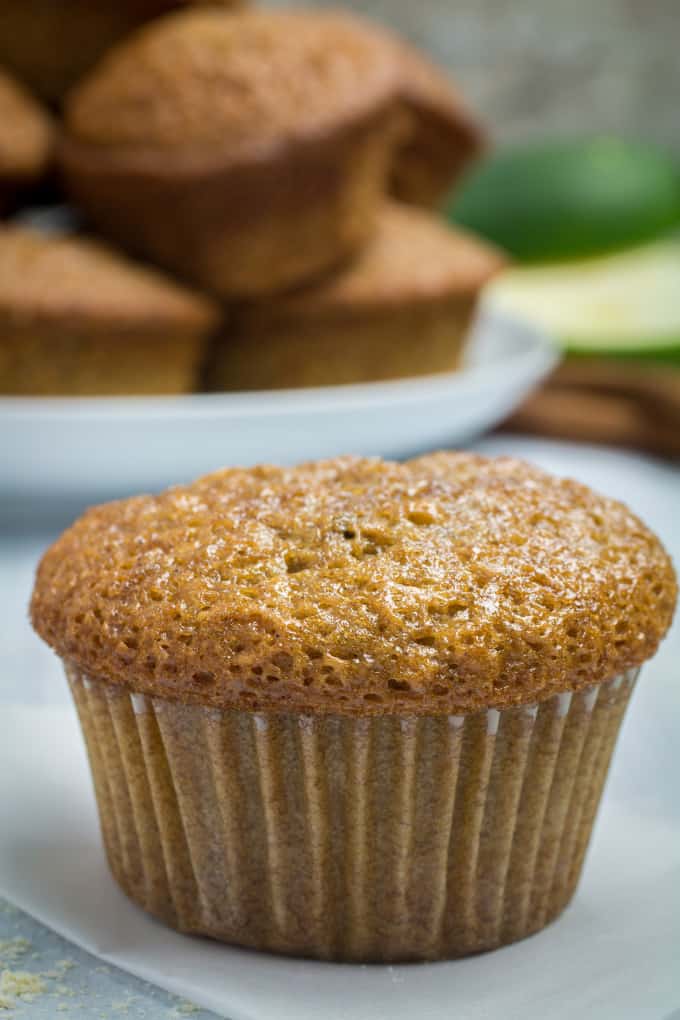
<point>376,838</point>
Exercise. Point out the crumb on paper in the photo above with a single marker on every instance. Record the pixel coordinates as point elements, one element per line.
<point>64,965</point>
<point>23,986</point>
<point>20,984</point>
<point>184,1008</point>
<point>12,949</point>
<point>123,1005</point>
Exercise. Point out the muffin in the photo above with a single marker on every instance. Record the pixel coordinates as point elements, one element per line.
<point>268,134</point>
<point>443,137</point>
<point>402,308</point>
<point>26,137</point>
<point>50,44</point>
<point>76,318</point>
<point>355,710</point>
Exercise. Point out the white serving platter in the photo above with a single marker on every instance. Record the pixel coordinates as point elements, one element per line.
<point>98,447</point>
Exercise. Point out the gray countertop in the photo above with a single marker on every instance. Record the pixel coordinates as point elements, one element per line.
<point>43,975</point>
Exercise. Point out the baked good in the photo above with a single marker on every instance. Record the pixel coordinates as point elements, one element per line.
<point>444,137</point>
<point>26,137</point>
<point>269,134</point>
<point>77,318</point>
<point>50,44</point>
<point>354,709</point>
<point>401,308</point>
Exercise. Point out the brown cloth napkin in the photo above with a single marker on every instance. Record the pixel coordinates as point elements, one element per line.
<point>602,400</point>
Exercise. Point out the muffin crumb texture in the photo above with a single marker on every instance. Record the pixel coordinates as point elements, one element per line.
<point>358,586</point>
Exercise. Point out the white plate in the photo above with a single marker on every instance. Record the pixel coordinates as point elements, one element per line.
<point>115,445</point>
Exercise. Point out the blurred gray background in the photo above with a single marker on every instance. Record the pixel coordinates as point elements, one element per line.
<point>546,67</point>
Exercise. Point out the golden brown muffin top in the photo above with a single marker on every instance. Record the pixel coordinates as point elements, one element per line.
<point>26,132</point>
<point>52,277</point>
<point>211,78</point>
<point>358,586</point>
<point>413,257</point>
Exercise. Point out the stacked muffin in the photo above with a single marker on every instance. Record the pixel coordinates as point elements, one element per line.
<point>76,318</point>
<point>401,307</point>
<point>250,153</point>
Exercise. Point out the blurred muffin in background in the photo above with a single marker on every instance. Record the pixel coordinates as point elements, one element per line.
<point>268,136</point>
<point>444,137</point>
<point>26,137</point>
<point>402,308</point>
<point>49,44</point>
<point>76,318</point>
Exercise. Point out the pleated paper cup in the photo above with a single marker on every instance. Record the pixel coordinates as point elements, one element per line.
<point>377,838</point>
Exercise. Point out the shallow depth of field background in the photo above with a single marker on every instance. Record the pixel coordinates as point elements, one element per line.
<point>542,67</point>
